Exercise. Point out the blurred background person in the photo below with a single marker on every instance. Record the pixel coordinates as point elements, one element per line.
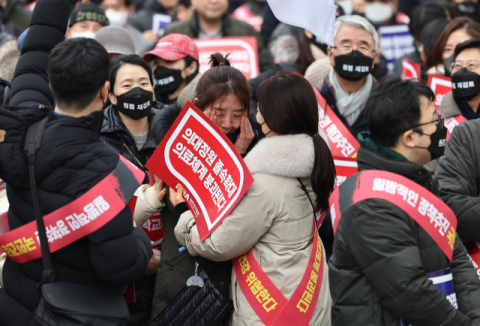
<point>428,37</point>
<point>155,16</point>
<point>211,20</point>
<point>86,21</point>
<point>459,30</point>
<point>117,12</point>
<point>116,40</point>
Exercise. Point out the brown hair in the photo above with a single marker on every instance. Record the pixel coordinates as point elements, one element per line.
<point>289,107</point>
<point>220,81</point>
<point>471,27</point>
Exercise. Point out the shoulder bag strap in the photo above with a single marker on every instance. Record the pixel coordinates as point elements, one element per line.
<point>309,199</point>
<point>31,146</point>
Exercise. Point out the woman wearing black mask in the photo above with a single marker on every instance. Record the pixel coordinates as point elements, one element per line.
<point>129,126</point>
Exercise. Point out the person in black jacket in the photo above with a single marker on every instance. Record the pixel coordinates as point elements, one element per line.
<point>70,161</point>
<point>134,135</point>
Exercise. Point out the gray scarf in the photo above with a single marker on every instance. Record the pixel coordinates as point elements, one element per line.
<point>350,106</point>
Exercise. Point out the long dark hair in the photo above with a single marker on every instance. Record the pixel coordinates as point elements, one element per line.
<point>289,107</point>
<point>220,81</point>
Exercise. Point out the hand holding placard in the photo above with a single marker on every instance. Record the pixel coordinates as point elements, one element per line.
<point>197,155</point>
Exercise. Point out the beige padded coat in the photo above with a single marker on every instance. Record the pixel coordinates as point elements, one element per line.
<point>274,219</point>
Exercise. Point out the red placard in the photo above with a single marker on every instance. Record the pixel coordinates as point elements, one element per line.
<point>200,157</point>
<point>243,53</point>
<point>344,169</point>
<point>410,69</point>
<point>440,85</point>
<point>245,14</point>
<point>475,257</point>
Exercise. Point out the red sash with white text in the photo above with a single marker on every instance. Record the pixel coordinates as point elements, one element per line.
<point>344,145</point>
<point>475,257</point>
<point>432,214</point>
<point>452,122</point>
<point>268,302</point>
<point>84,215</point>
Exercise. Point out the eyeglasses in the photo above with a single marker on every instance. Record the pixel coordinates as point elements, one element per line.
<point>440,120</point>
<point>348,47</point>
<point>471,65</point>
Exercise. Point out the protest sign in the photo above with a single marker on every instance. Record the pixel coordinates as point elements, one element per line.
<point>243,53</point>
<point>245,14</point>
<point>395,41</point>
<point>160,22</point>
<point>440,85</point>
<point>200,157</point>
<point>410,69</point>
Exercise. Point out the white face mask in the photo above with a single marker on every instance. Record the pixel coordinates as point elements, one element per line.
<point>378,12</point>
<point>117,18</point>
<point>83,34</point>
<point>346,5</point>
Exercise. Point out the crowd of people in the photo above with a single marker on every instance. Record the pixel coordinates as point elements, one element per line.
<point>395,243</point>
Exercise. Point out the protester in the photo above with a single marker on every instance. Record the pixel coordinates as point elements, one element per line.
<point>211,20</point>
<point>132,133</point>
<point>154,18</point>
<point>116,40</point>
<point>117,12</point>
<point>175,68</point>
<point>223,94</point>
<point>70,161</point>
<point>183,11</point>
<point>382,257</point>
<point>311,49</point>
<point>457,31</point>
<point>384,12</point>
<point>457,172</point>
<point>421,16</point>
<point>348,86</point>
<point>86,21</point>
<point>281,234</point>
<point>428,37</point>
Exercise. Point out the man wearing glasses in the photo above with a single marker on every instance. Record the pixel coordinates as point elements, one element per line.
<point>350,83</point>
<point>459,171</point>
<point>386,264</point>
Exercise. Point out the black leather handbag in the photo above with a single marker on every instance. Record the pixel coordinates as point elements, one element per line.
<point>199,303</point>
<point>66,303</point>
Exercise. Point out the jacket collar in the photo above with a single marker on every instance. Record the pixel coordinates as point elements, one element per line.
<point>289,156</point>
<point>113,123</point>
<point>195,25</point>
<point>449,107</point>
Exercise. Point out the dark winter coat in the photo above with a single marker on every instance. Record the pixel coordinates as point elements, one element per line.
<point>458,173</point>
<point>116,135</point>
<point>143,19</point>
<point>230,27</point>
<point>381,257</point>
<point>177,266</point>
<point>70,161</point>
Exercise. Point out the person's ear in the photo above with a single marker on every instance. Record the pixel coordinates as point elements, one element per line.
<point>68,34</point>
<point>375,54</point>
<point>192,68</point>
<point>330,56</point>
<point>195,100</point>
<point>131,10</point>
<point>408,139</point>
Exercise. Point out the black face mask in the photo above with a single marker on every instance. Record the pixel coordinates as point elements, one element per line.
<point>438,141</point>
<point>136,103</point>
<point>353,66</point>
<point>447,63</point>
<point>465,84</point>
<point>466,8</point>
<point>167,81</point>
<point>261,135</point>
<point>318,43</point>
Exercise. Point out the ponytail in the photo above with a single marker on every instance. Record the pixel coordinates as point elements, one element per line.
<point>323,174</point>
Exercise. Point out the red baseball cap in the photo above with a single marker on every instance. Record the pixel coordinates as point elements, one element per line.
<point>173,47</point>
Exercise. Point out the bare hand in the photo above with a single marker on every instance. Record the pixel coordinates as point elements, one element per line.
<point>176,196</point>
<point>246,135</point>
<point>151,36</point>
<point>160,191</point>
<point>210,113</point>
<point>152,266</point>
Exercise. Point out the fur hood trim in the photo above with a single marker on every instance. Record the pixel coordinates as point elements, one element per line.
<point>289,156</point>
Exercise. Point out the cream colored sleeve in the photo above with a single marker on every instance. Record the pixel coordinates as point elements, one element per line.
<point>238,232</point>
<point>147,204</point>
